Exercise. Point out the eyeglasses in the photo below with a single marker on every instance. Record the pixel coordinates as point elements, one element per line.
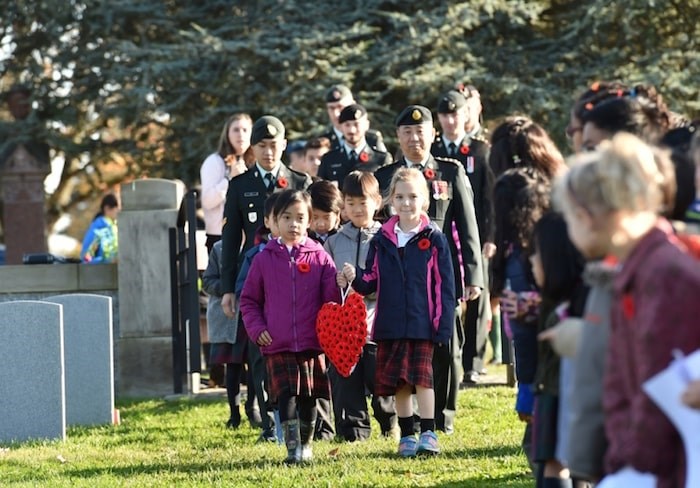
<point>571,130</point>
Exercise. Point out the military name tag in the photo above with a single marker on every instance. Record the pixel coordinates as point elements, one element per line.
<point>251,194</point>
<point>470,164</point>
<point>252,217</point>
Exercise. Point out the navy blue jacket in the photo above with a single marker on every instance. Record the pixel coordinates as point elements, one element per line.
<point>415,287</point>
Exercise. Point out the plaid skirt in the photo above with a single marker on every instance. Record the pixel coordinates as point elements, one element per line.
<point>544,427</point>
<point>297,374</point>
<point>403,362</point>
<point>226,353</point>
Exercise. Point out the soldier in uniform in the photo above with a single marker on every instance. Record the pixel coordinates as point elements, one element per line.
<point>452,209</point>
<point>354,152</point>
<point>245,199</point>
<point>473,152</point>
<point>337,98</point>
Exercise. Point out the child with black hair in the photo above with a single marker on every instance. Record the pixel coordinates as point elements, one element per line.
<point>288,282</point>
<point>326,203</point>
<point>557,267</point>
<point>361,200</point>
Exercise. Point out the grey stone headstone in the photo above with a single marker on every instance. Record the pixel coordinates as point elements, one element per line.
<point>89,362</point>
<point>152,194</point>
<point>32,392</point>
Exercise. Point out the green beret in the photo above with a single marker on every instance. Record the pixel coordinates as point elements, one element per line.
<point>337,92</point>
<point>414,115</point>
<point>352,112</point>
<point>450,102</point>
<point>266,127</point>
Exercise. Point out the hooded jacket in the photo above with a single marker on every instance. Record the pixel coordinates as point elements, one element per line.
<point>284,292</point>
<point>415,285</point>
<point>351,245</point>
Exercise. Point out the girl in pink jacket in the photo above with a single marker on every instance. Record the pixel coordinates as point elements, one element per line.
<point>288,282</point>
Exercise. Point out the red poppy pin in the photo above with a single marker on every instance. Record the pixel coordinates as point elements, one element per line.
<point>303,267</point>
<point>464,149</point>
<point>628,306</point>
<point>429,174</point>
<point>364,157</point>
<point>424,244</point>
<point>282,182</point>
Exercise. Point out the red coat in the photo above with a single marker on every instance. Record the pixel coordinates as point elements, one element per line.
<point>655,309</point>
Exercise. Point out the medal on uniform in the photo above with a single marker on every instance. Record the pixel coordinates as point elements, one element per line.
<point>439,190</point>
<point>470,164</point>
<point>252,217</point>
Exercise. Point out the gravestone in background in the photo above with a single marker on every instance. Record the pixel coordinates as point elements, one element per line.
<point>32,392</point>
<point>87,339</point>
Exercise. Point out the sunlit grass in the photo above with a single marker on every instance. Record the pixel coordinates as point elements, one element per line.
<point>184,443</point>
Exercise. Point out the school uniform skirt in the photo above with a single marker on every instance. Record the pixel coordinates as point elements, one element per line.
<point>227,353</point>
<point>403,362</point>
<point>297,374</point>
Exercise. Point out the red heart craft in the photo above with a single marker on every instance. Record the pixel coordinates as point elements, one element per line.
<point>342,332</point>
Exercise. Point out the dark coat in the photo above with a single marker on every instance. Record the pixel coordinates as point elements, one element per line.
<point>335,165</point>
<point>243,215</point>
<point>473,153</point>
<point>374,140</point>
<point>457,208</point>
<point>414,287</point>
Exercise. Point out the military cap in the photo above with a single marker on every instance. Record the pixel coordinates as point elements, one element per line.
<point>296,146</point>
<point>337,92</point>
<point>352,112</point>
<point>267,127</point>
<point>414,115</point>
<point>450,102</point>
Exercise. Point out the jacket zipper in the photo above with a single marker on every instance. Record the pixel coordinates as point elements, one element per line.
<point>292,265</point>
<point>357,251</point>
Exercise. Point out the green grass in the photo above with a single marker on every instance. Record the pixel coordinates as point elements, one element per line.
<point>184,443</point>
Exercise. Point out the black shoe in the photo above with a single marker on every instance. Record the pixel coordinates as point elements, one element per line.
<point>234,421</point>
<point>266,436</point>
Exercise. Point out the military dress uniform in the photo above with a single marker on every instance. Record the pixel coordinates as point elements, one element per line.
<point>451,202</point>
<point>337,164</point>
<point>244,212</point>
<point>374,138</point>
<point>473,153</point>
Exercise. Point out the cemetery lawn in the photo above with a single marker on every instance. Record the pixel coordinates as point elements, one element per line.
<point>184,442</point>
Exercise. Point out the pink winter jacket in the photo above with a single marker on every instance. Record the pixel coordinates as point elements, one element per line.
<point>655,309</point>
<point>284,292</point>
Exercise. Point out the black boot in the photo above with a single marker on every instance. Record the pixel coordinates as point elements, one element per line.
<point>292,440</point>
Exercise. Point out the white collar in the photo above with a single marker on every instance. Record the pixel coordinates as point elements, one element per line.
<point>447,141</point>
<point>411,164</point>
<point>410,232</point>
<point>357,149</point>
<point>275,172</point>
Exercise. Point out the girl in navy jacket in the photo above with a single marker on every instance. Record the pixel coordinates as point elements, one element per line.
<point>410,269</point>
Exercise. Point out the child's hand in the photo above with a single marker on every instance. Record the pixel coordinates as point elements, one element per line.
<point>509,303</point>
<point>691,397</point>
<point>340,280</point>
<point>264,339</point>
<point>349,272</point>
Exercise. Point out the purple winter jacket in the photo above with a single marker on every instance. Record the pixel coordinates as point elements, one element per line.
<point>284,292</point>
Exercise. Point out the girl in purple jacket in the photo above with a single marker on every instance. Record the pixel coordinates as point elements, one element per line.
<point>410,269</point>
<point>288,282</point>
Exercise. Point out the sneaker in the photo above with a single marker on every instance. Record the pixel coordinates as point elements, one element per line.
<point>407,446</point>
<point>428,443</point>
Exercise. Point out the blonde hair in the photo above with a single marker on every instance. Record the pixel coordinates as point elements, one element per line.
<point>407,175</point>
<point>622,174</point>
